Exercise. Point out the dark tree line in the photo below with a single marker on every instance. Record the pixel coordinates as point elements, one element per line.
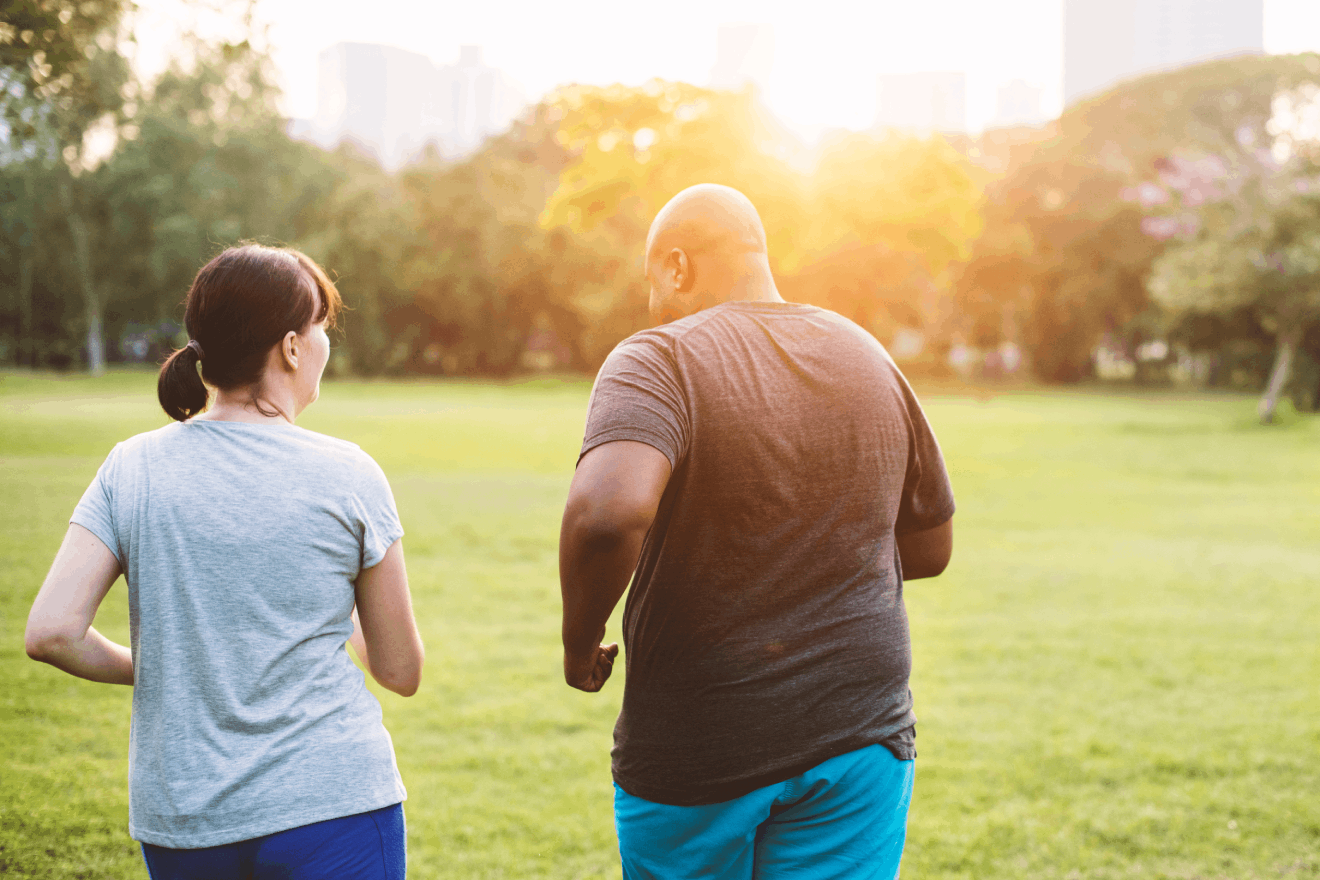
<point>528,252</point>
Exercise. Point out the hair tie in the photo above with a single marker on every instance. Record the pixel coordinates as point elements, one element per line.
<point>197,347</point>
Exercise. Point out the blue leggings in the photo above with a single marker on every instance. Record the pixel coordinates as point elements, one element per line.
<point>845,819</point>
<point>368,846</point>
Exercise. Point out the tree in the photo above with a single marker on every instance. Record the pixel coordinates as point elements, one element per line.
<point>1245,224</point>
<point>202,163</point>
<point>629,151</point>
<point>62,72</point>
<point>885,221</point>
<point>1079,271</point>
<point>360,230</point>
<point>18,208</point>
<point>911,195</point>
<point>484,276</point>
<point>878,287</point>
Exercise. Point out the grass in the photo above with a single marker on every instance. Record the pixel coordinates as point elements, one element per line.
<point>1117,677</point>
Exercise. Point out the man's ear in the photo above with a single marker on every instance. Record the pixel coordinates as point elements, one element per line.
<point>681,270</point>
<point>291,348</point>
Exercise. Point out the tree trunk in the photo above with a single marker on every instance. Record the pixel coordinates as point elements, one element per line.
<point>1289,337</point>
<point>26,344</point>
<point>82,257</point>
<point>25,354</point>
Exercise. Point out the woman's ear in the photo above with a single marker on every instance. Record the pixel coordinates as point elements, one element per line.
<point>290,347</point>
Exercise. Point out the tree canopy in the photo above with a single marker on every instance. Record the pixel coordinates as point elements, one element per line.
<point>1068,246</point>
<point>1148,212</point>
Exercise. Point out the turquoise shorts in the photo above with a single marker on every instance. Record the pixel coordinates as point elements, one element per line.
<point>844,819</point>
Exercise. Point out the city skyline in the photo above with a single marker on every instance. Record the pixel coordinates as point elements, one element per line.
<point>396,103</point>
<point>825,67</point>
<point>1109,41</point>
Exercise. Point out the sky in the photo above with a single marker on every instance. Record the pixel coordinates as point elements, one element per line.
<point>826,61</point>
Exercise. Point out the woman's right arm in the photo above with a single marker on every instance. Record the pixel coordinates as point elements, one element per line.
<point>385,635</point>
<point>59,627</point>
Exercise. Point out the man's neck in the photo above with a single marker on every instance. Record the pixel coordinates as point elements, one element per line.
<point>761,292</point>
<point>756,285</point>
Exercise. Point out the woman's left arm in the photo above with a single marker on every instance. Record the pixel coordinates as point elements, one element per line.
<point>59,627</point>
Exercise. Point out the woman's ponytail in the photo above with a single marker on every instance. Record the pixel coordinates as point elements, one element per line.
<point>180,389</point>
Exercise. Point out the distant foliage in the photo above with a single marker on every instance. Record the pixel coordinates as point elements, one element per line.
<point>60,68</point>
<point>1138,217</point>
<point>1243,224</point>
<point>1074,229</point>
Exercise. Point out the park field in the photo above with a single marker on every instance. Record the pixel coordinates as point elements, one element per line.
<point>1117,677</point>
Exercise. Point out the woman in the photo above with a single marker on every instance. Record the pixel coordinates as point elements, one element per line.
<point>253,550</point>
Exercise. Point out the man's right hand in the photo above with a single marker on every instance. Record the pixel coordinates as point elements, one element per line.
<point>590,672</point>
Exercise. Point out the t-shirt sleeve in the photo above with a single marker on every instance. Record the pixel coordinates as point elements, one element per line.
<point>927,494</point>
<point>96,511</point>
<point>638,396</point>
<point>378,516</point>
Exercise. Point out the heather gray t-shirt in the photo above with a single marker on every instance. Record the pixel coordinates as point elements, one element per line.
<point>764,629</point>
<point>240,544</point>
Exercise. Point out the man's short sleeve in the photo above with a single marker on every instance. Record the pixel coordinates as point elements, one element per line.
<point>638,397</point>
<point>96,512</point>
<point>927,495</point>
<point>378,515</point>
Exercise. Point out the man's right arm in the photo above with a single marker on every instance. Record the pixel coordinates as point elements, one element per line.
<point>612,501</point>
<point>925,553</point>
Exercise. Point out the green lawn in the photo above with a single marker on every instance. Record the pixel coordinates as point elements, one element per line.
<point>1119,675</point>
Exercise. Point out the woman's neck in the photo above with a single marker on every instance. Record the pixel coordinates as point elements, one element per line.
<point>244,405</point>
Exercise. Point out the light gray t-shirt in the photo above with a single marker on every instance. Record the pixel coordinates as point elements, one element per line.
<point>240,544</point>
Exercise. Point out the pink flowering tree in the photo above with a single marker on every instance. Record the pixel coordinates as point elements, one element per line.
<point>1242,222</point>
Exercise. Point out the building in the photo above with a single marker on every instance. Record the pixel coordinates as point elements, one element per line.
<point>1018,104</point>
<point>1108,41</point>
<point>471,101</point>
<point>923,103</point>
<point>745,55</point>
<point>393,103</point>
<point>374,96</point>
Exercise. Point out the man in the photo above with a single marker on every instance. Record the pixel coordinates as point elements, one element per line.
<point>767,473</point>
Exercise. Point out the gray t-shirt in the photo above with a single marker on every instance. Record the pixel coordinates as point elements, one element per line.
<point>765,630</point>
<point>240,544</point>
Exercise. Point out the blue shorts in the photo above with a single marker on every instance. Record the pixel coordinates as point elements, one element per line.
<point>368,846</point>
<point>844,819</point>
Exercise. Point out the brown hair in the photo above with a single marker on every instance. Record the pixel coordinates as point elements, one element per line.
<point>240,306</point>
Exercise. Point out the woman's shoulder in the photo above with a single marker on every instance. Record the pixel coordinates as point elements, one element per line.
<point>138,444</point>
<point>336,447</point>
<point>344,453</point>
<point>267,451</point>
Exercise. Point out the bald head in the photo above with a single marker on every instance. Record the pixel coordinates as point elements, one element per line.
<point>705,247</point>
<point>707,219</point>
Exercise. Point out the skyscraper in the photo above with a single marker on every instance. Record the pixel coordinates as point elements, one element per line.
<point>923,103</point>
<point>393,103</point>
<point>1108,41</point>
<point>471,101</point>
<point>375,96</point>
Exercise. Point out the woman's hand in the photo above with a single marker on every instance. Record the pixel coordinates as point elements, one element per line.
<point>59,627</point>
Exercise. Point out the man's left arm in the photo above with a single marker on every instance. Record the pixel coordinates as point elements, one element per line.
<point>611,504</point>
